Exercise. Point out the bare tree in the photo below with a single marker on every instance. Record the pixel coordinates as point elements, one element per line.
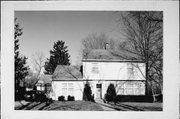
<point>95,41</point>
<point>143,36</point>
<point>38,60</point>
<point>31,80</point>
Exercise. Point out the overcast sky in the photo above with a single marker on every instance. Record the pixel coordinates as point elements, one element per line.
<point>42,28</point>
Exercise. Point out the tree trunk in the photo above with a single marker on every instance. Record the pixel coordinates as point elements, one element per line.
<point>154,96</point>
<point>146,88</point>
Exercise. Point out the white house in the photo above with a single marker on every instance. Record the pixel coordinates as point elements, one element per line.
<point>100,68</point>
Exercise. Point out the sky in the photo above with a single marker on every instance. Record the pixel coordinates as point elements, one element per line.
<point>42,28</point>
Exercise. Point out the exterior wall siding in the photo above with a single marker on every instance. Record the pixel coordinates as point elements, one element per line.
<point>112,71</point>
<point>122,87</point>
<point>59,89</point>
<point>127,77</point>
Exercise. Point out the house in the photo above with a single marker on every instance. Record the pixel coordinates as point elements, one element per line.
<point>40,82</point>
<point>100,68</point>
<point>44,83</point>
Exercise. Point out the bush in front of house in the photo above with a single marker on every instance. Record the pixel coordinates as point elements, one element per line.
<point>70,98</point>
<point>110,95</point>
<point>61,98</point>
<point>87,93</point>
<point>137,98</point>
<point>134,98</point>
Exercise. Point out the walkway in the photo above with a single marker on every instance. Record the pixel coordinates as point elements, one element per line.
<point>106,107</point>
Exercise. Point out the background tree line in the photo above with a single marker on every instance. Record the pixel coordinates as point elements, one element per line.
<point>21,70</point>
<point>24,77</point>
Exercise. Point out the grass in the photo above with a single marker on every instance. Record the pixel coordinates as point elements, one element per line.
<point>87,106</point>
<point>59,105</point>
<point>145,106</point>
<point>74,106</point>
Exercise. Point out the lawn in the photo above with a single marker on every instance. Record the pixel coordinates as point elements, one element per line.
<point>145,106</point>
<point>88,106</point>
<point>59,105</point>
<point>74,105</point>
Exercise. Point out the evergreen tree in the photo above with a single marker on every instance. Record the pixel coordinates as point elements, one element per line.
<point>21,70</point>
<point>87,93</point>
<point>58,56</point>
<point>111,93</point>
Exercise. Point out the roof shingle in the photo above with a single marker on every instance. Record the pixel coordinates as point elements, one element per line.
<point>109,55</point>
<point>67,72</point>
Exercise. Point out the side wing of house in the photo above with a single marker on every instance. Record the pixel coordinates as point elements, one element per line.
<point>66,88</point>
<point>67,81</point>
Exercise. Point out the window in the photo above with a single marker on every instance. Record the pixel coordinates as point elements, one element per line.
<point>67,89</point>
<point>130,71</point>
<point>128,88</point>
<point>132,88</point>
<point>64,85</point>
<point>70,91</point>
<point>139,88</point>
<point>70,84</point>
<point>64,91</point>
<point>128,91</point>
<point>121,90</point>
<point>95,68</point>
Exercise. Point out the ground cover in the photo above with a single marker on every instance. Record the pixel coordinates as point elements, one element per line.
<point>145,106</point>
<point>88,106</point>
<point>60,105</point>
<point>74,105</point>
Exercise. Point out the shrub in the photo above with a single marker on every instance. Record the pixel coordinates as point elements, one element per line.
<point>61,98</point>
<point>70,98</point>
<point>87,93</point>
<point>134,98</point>
<point>159,98</point>
<point>49,101</point>
<point>110,95</point>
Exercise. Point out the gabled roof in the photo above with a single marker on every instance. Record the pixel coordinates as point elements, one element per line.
<point>44,79</point>
<point>67,72</point>
<point>109,55</point>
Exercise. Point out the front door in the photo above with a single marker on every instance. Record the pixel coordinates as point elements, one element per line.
<point>98,91</point>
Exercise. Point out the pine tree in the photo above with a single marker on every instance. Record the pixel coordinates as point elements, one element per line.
<point>58,56</point>
<point>110,93</point>
<point>21,70</point>
<point>87,93</point>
